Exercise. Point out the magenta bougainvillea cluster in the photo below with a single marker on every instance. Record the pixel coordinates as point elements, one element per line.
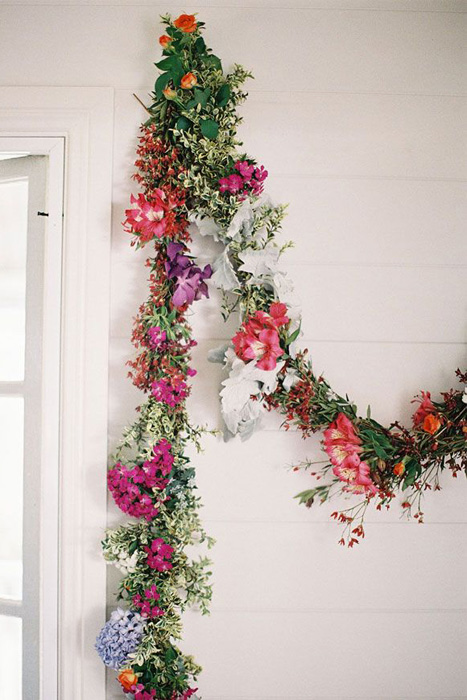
<point>134,488</point>
<point>247,179</point>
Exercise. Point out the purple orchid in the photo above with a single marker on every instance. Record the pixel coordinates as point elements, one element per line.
<point>189,279</point>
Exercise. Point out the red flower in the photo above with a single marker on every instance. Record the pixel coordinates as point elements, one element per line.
<point>186,23</point>
<point>426,406</point>
<point>258,338</point>
<point>147,218</point>
<point>164,41</point>
<point>188,81</point>
<point>431,424</point>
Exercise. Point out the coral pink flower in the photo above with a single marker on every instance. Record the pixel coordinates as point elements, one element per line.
<point>341,442</point>
<point>147,218</point>
<point>343,447</point>
<point>258,338</point>
<point>278,313</point>
<point>263,347</point>
<point>426,406</point>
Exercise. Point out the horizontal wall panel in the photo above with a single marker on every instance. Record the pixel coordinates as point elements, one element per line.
<point>444,6</point>
<point>305,568</point>
<point>332,51</point>
<point>405,654</point>
<point>389,222</point>
<point>382,304</point>
<point>349,303</point>
<point>357,135</point>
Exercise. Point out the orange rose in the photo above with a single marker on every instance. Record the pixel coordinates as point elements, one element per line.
<point>169,93</point>
<point>128,678</point>
<point>187,23</point>
<point>431,423</point>
<point>164,41</point>
<point>188,81</point>
<point>399,468</point>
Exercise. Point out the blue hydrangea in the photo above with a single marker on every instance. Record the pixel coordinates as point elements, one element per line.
<point>119,637</point>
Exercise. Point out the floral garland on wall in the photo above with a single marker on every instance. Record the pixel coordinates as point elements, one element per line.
<point>194,179</point>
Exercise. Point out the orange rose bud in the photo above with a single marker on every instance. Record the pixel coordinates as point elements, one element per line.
<point>188,81</point>
<point>128,678</point>
<point>431,423</point>
<point>164,40</point>
<point>169,93</point>
<point>187,23</point>
<point>399,468</point>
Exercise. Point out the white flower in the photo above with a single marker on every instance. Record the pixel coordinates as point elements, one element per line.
<point>464,395</point>
<point>125,563</point>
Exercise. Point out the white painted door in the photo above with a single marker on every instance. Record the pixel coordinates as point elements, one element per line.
<point>25,428</point>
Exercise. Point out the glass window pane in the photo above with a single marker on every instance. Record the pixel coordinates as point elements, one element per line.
<point>13,236</point>
<point>11,497</point>
<point>10,658</point>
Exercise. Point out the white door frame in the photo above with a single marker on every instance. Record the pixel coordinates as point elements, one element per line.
<point>82,120</point>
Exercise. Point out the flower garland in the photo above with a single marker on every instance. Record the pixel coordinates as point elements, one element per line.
<point>194,179</point>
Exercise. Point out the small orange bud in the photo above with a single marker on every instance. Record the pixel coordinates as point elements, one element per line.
<point>188,81</point>
<point>164,41</point>
<point>128,678</point>
<point>169,93</point>
<point>431,423</point>
<point>399,468</point>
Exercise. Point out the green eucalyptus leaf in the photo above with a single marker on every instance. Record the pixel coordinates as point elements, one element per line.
<point>183,123</point>
<point>293,336</point>
<point>209,128</point>
<point>200,45</point>
<point>202,96</point>
<point>169,63</point>
<point>161,83</point>
<point>213,61</point>
<point>223,95</point>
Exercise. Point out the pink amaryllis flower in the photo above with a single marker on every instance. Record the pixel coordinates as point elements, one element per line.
<point>147,217</point>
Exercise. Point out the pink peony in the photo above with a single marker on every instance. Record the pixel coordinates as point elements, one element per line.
<point>147,218</point>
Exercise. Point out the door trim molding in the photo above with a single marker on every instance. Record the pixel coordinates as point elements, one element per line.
<point>83,117</point>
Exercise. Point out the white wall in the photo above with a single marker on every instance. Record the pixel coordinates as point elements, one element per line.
<point>358,112</point>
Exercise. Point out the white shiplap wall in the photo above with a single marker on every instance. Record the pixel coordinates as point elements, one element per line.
<point>358,112</point>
